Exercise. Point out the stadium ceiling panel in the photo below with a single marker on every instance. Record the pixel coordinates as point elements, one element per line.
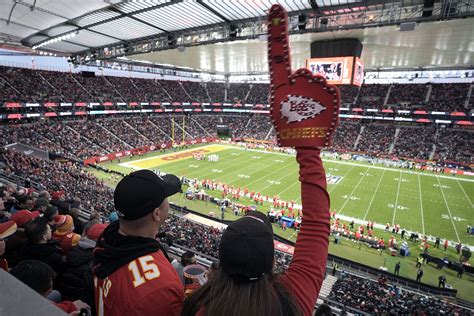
<point>183,15</point>
<point>91,39</point>
<point>36,20</point>
<point>66,47</point>
<point>95,17</point>
<point>237,10</point>
<point>133,6</point>
<point>129,28</point>
<point>60,30</point>
<point>329,3</point>
<point>16,30</point>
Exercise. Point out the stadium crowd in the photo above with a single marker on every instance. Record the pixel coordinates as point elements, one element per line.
<point>381,298</point>
<point>26,85</point>
<point>81,139</point>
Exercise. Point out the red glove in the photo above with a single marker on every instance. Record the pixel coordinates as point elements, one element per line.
<point>304,108</point>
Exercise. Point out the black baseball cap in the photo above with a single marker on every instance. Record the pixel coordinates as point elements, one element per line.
<point>246,250</point>
<point>140,192</point>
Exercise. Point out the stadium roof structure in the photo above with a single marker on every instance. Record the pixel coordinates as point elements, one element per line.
<point>223,36</point>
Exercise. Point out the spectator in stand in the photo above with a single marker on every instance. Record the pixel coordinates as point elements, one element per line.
<point>16,242</point>
<point>25,202</point>
<point>244,283</point>
<point>377,299</point>
<point>187,258</point>
<point>7,229</point>
<point>63,234</point>
<point>79,264</point>
<point>128,251</point>
<point>40,246</point>
<point>41,205</point>
<point>39,276</point>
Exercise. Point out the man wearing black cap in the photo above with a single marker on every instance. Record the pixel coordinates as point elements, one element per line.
<point>131,274</point>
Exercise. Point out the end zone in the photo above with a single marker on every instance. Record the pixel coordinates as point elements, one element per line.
<point>160,160</point>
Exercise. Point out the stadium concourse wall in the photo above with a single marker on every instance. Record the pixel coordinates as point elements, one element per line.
<point>286,246</point>
<point>145,149</point>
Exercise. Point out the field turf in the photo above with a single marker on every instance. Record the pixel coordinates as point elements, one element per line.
<point>431,204</point>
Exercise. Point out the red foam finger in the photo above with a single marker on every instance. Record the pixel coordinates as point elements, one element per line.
<point>278,48</point>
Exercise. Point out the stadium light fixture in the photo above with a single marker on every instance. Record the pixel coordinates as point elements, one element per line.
<point>56,39</point>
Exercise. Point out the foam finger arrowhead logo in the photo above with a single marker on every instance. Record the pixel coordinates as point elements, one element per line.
<point>298,108</point>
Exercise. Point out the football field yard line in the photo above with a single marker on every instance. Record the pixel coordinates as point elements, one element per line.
<point>276,163</point>
<point>190,174</point>
<point>449,210</point>
<point>467,197</point>
<point>396,199</point>
<point>355,188</point>
<point>373,197</point>
<point>231,165</point>
<point>281,178</point>
<point>421,205</point>
<point>290,186</point>
<point>345,175</point>
<point>264,176</point>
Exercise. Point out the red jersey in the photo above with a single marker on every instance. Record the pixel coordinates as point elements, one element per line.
<point>139,287</point>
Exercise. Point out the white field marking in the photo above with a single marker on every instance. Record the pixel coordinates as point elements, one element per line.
<point>443,186</point>
<point>449,211</point>
<point>355,164</point>
<point>373,197</point>
<point>258,179</point>
<point>278,180</point>
<point>217,170</point>
<point>334,186</point>
<point>467,196</point>
<point>288,187</point>
<point>421,206</point>
<point>193,166</point>
<point>273,182</point>
<point>396,199</point>
<point>350,195</point>
<point>264,176</point>
<point>233,166</point>
<point>244,176</point>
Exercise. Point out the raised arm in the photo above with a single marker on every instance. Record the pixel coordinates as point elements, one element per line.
<point>306,272</point>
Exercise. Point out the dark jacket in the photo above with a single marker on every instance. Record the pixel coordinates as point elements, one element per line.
<point>13,247</point>
<point>48,253</point>
<point>78,263</point>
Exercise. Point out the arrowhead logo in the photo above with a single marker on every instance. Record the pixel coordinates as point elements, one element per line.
<point>298,108</point>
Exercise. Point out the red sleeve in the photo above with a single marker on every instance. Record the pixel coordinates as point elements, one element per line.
<point>306,272</point>
<point>165,301</point>
<point>66,306</point>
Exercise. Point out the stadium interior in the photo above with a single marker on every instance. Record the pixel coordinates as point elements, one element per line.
<point>92,90</point>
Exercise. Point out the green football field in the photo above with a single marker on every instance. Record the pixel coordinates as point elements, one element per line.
<point>436,205</point>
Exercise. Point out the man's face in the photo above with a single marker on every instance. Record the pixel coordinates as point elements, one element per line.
<point>28,205</point>
<point>49,234</point>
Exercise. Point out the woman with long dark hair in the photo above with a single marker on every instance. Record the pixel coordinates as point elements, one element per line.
<point>245,283</point>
